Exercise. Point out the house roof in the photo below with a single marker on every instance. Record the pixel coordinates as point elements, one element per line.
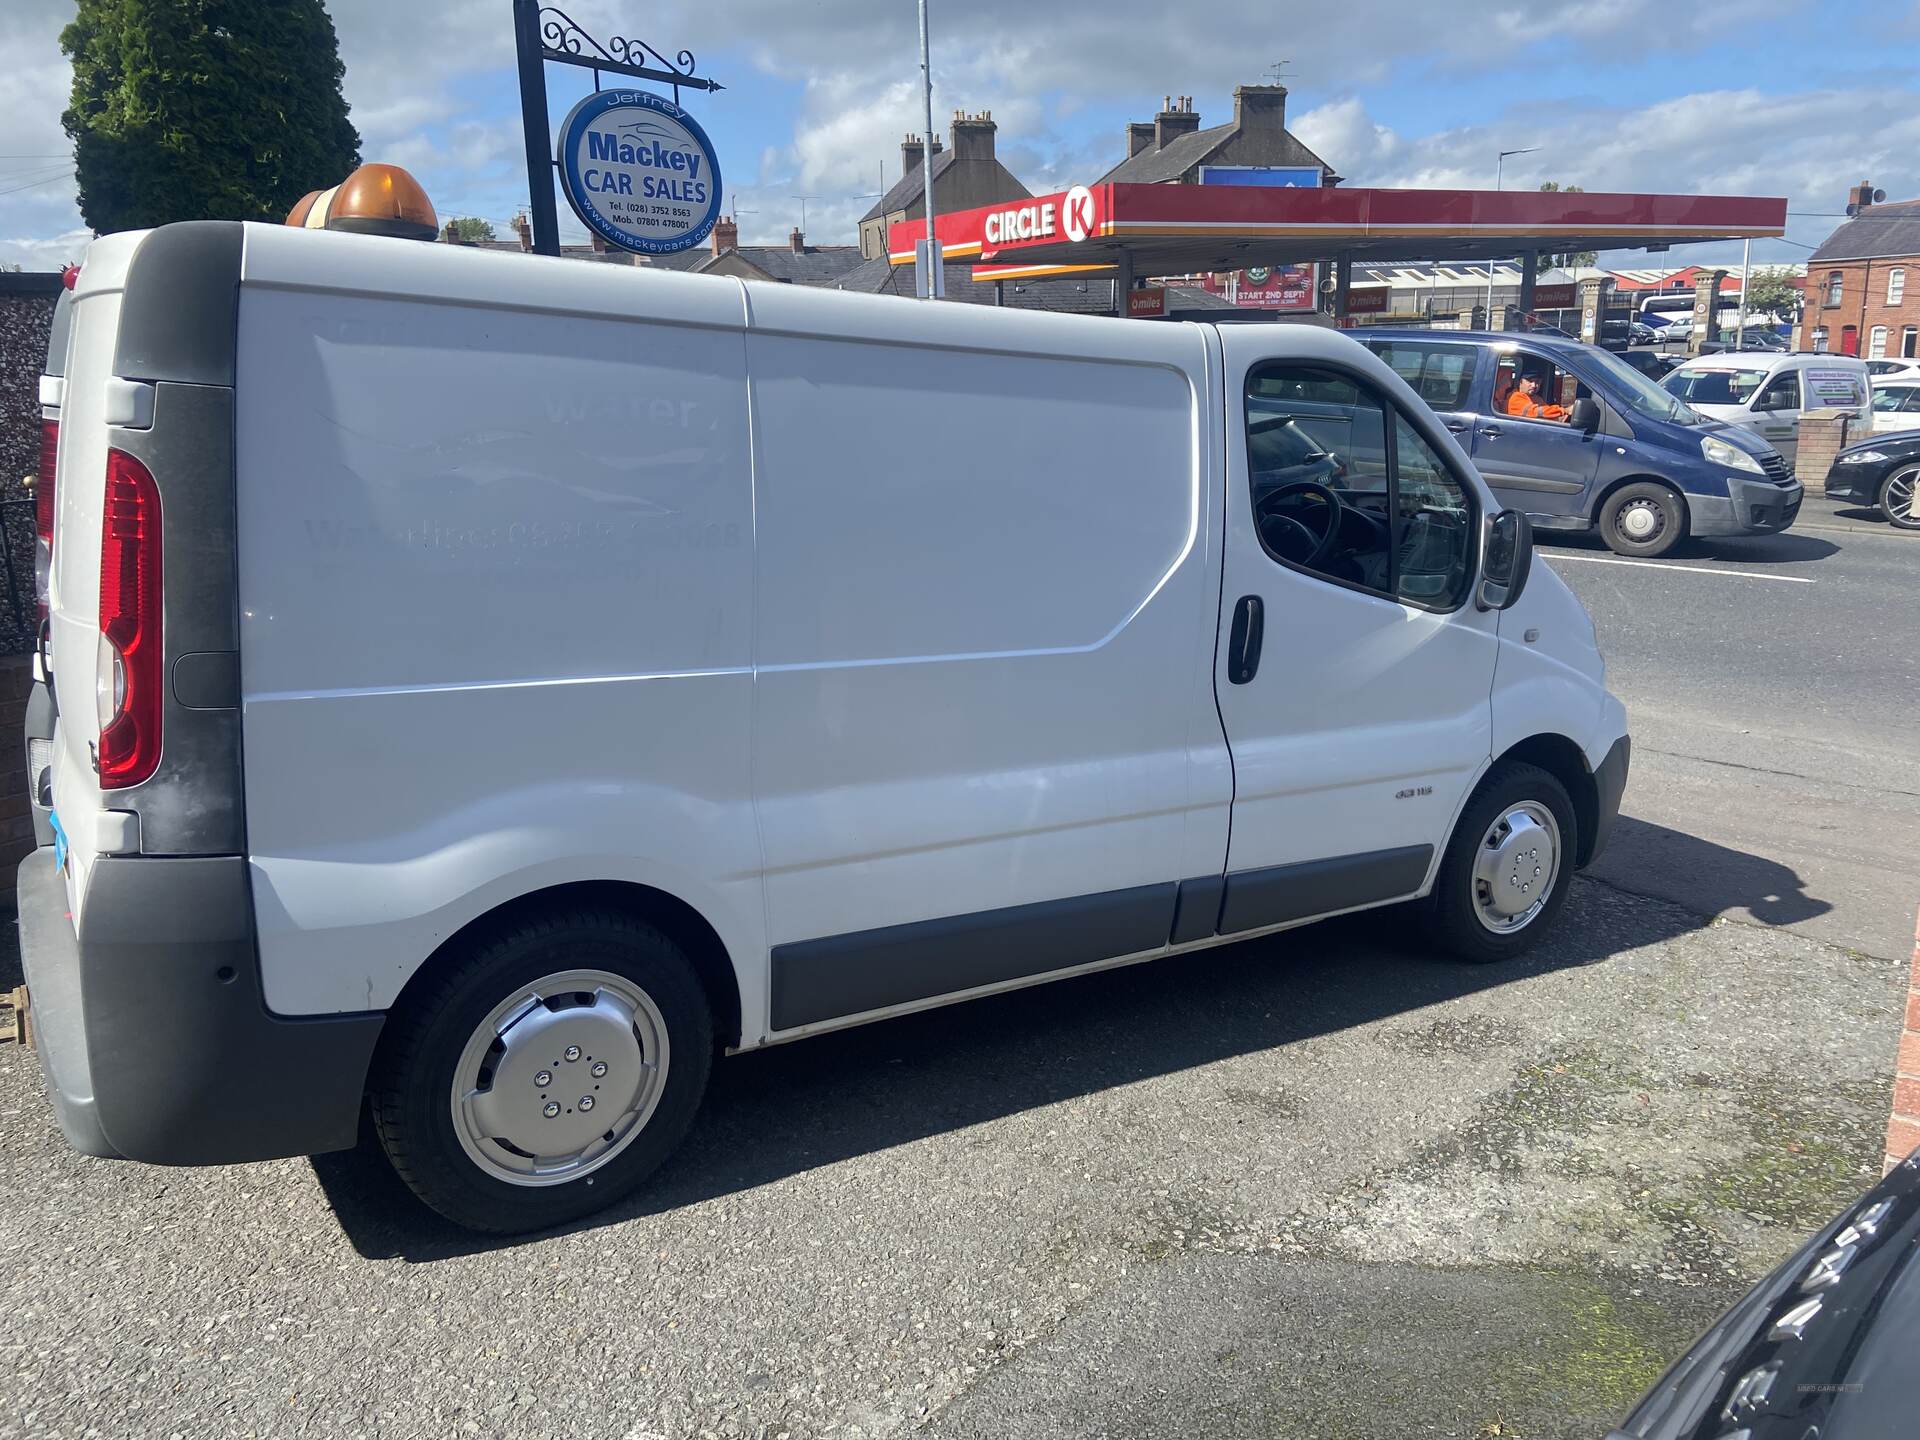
<point>1881,232</point>
<point>1153,167</point>
<point>907,188</point>
<point>1068,295</point>
<point>814,265</point>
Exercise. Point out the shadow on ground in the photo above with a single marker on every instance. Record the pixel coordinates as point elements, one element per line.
<point>780,1112</point>
<point>1708,879</point>
<point>1786,549</point>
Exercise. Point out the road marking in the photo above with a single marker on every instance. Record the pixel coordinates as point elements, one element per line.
<point>1690,569</point>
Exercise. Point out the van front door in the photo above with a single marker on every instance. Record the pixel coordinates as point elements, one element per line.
<point>1352,670</point>
<point>1776,412</point>
<point>1543,466</point>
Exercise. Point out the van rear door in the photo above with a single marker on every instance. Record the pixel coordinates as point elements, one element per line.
<point>141,621</point>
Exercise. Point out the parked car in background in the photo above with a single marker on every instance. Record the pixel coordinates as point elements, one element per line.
<point>1767,394</point>
<point>1824,1346</point>
<point>1893,370</point>
<point>1896,405</point>
<point>1650,363</point>
<point>1881,472</point>
<point>1627,459</point>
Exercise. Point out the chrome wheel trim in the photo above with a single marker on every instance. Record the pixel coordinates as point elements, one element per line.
<point>1641,519</point>
<point>1515,867</point>
<point>1898,499</point>
<point>560,1077</point>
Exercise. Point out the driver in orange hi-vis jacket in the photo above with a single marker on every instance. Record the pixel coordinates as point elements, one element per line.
<point>1525,402</point>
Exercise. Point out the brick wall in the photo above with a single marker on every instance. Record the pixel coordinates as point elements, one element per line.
<point>26,317</point>
<point>1863,303</point>
<point>1903,1129</point>
<point>16,819</point>
<point>1823,435</point>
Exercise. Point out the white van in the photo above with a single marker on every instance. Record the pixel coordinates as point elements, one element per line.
<point>490,686</point>
<point>1769,392</point>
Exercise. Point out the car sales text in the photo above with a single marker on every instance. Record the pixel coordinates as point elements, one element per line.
<point>650,155</point>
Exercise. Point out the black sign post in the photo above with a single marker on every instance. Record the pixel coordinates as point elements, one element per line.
<point>543,33</point>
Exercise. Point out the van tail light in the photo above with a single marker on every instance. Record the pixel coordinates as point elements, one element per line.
<point>129,671</point>
<point>43,512</point>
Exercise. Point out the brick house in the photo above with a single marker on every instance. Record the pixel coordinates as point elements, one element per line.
<point>1172,148</point>
<point>964,177</point>
<point>1863,283</point>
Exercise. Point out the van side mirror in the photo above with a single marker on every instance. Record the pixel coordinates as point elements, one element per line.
<point>1508,562</point>
<point>1586,415</point>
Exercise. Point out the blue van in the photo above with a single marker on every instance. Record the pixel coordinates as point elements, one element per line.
<point>1611,451</point>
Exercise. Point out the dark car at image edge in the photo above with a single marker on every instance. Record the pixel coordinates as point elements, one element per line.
<point>1822,1349</point>
<point>1880,471</point>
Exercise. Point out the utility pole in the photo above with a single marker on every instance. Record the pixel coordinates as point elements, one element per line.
<point>930,251</point>
<point>1746,274</point>
<point>1499,169</point>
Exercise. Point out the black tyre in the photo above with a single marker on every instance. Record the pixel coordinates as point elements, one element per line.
<point>1643,519</point>
<point>1508,866</point>
<point>1897,498</point>
<point>546,1071</point>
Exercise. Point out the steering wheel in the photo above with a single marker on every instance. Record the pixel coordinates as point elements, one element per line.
<point>1322,544</point>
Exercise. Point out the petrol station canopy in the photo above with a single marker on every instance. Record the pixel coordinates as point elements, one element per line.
<point>1149,230</point>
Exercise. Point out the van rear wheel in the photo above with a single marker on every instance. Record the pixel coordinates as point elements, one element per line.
<point>549,1070</point>
<point>1643,519</point>
<point>1508,866</point>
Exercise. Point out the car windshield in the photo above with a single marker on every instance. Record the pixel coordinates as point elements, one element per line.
<point>1639,392</point>
<point>1714,386</point>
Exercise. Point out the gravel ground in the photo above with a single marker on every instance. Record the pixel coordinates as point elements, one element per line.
<point>1318,1185</point>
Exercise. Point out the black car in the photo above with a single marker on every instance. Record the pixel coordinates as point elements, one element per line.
<point>1651,363</point>
<point>1822,1347</point>
<point>1881,471</point>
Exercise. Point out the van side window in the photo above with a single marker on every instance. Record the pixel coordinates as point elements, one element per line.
<point>1343,487</point>
<point>1551,397</point>
<point>1782,393</point>
<point>1441,375</point>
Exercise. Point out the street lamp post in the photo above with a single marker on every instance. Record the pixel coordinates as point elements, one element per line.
<point>932,245</point>
<point>1499,169</point>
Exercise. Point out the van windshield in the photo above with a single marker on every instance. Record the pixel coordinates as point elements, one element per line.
<point>1640,393</point>
<point>1716,386</point>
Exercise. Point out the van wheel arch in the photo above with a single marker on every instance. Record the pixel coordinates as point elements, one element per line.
<point>1567,763</point>
<point>1615,486</point>
<point>669,914</point>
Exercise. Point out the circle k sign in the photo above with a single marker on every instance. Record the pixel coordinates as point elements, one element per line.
<point>640,171</point>
<point>1076,214</point>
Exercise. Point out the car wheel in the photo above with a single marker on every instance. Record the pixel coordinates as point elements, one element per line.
<point>1507,868</point>
<point>1896,498</point>
<point>545,1072</point>
<point>1643,519</point>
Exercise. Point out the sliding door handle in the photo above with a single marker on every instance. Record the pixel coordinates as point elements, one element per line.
<point>1243,639</point>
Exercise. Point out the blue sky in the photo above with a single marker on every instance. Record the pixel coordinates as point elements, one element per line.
<point>1732,96</point>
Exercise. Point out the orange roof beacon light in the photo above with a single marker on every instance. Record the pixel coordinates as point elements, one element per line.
<point>374,200</point>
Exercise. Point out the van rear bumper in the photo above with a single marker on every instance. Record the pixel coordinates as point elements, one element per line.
<point>153,1035</point>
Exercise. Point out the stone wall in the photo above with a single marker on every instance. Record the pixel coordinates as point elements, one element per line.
<point>26,316</point>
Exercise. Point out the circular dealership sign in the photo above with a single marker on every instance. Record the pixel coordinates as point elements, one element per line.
<point>640,171</point>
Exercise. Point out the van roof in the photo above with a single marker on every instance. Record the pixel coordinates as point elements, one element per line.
<point>1562,343</point>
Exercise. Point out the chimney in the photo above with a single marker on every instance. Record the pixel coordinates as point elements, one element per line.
<point>973,135</point>
<point>1860,197</point>
<point>798,242</point>
<point>910,149</point>
<point>1260,107</point>
<point>1176,119</point>
<point>726,235</point>
<point>1139,137</point>
<point>599,243</point>
<point>524,229</point>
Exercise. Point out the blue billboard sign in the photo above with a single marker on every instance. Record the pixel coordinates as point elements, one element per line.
<point>1304,177</point>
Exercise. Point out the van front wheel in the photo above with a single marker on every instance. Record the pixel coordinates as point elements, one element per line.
<point>1643,519</point>
<point>548,1071</point>
<point>1507,868</point>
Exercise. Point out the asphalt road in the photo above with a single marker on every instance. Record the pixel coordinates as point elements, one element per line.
<point>1321,1185</point>
<point>1773,690</point>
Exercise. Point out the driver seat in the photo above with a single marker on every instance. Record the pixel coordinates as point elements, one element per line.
<point>1502,392</point>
